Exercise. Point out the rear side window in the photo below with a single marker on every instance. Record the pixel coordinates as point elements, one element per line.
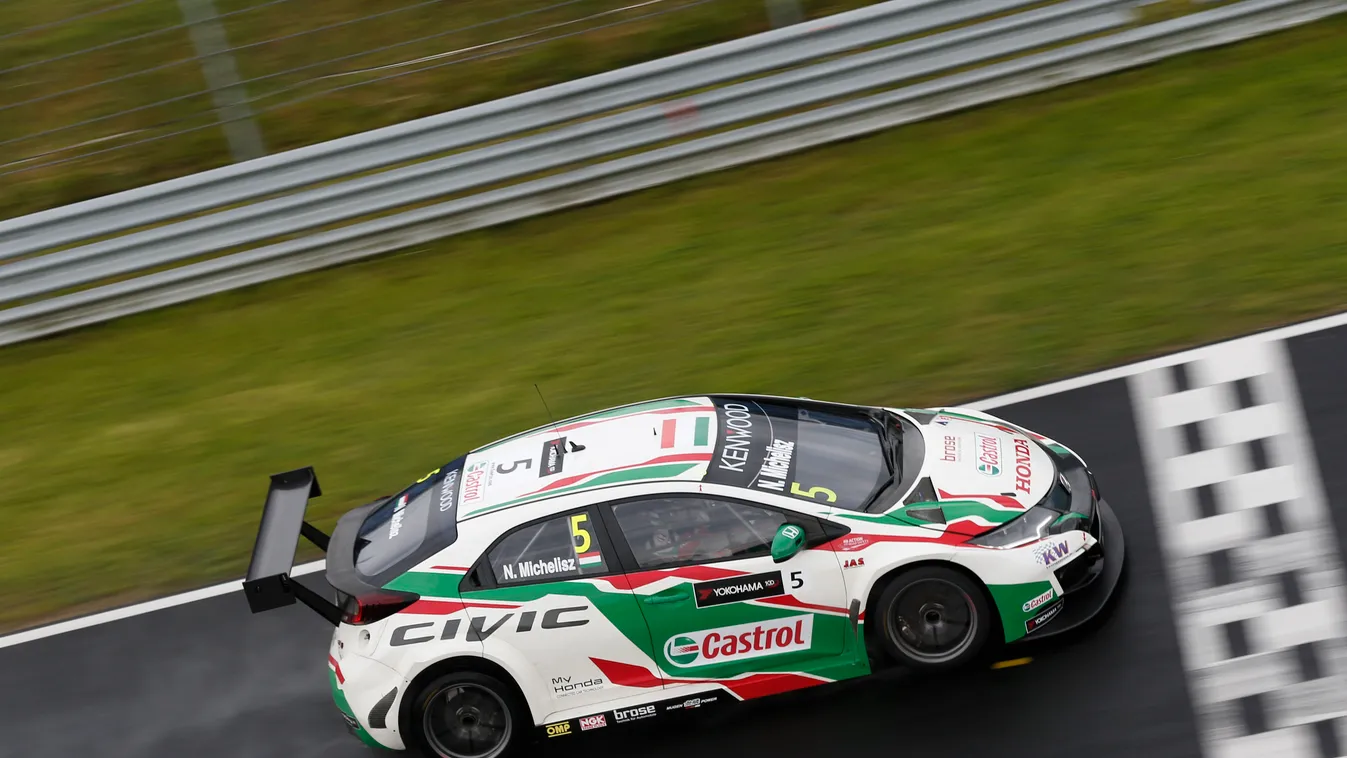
<point>412,524</point>
<point>564,547</point>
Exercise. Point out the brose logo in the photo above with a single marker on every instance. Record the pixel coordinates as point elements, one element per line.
<point>740,642</point>
<point>632,714</point>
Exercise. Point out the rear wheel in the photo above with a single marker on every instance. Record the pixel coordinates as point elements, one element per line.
<point>933,618</point>
<point>466,714</point>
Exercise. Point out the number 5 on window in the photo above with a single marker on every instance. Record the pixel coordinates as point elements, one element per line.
<point>579,533</point>
<point>813,492</point>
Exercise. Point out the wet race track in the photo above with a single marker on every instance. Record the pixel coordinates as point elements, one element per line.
<point>208,679</point>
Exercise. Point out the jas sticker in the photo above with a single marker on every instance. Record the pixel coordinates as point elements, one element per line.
<point>734,589</point>
<point>853,563</point>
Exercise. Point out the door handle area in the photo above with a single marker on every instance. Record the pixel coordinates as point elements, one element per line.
<point>672,597</point>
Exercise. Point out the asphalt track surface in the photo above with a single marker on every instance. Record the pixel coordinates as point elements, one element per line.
<point>209,679</point>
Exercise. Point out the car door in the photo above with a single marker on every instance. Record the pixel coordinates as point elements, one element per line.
<point>547,599</point>
<point>717,604</point>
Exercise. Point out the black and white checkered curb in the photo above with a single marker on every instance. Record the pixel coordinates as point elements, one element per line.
<point>1257,583</point>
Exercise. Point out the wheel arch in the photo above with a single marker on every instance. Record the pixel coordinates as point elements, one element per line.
<point>873,647</point>
<point>448,666</point>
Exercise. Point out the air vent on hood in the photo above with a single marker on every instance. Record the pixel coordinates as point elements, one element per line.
<point>924,492</point>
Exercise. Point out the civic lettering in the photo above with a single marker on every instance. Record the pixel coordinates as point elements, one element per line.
<point>482,627</point>
<point>552,617</point>
<point>400,634</point>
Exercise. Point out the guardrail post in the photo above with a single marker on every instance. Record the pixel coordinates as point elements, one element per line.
<point>784,12</point>
<point>222,78</point>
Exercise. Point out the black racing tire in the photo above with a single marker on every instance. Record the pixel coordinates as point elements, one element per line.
<point>468,714</point>
<point>932,618</point>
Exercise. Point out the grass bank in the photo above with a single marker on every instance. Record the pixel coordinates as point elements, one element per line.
<point>1199,198</point>
<point>314,70</point>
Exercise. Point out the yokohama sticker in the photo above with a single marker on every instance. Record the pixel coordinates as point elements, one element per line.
<point>740,642</point>
<point>734,589</point>
<point>1043,618</point>
<point>1038,601</point>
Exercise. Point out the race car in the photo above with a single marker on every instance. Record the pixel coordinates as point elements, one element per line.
<point>666,556</point>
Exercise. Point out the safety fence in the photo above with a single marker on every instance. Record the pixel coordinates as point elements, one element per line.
<point>756,97</point>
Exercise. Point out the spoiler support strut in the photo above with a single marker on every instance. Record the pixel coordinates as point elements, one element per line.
<point>269,585</point>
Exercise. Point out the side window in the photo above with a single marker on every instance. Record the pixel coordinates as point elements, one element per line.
<point>565,547</point>
<point>677,530</point>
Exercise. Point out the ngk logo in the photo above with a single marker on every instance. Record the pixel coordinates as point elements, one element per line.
<point>739,642</point>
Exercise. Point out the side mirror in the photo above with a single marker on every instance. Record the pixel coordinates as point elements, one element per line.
<point>788,541</point>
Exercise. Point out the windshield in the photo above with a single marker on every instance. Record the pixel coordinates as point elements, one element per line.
<point>417,521</point>
<point>837,458</point>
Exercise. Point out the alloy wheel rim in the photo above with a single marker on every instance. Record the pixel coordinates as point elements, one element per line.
<point>467,721</point>
<point>932,621</point>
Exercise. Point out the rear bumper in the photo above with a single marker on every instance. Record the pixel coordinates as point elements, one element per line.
<point>1089,582</point>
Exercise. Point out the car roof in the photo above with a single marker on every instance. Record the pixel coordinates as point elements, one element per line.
<point>668,439</point>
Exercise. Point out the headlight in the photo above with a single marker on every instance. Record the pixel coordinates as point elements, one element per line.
<point>1034,524</point>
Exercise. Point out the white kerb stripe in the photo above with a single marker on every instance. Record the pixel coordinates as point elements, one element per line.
<point>157,604</point>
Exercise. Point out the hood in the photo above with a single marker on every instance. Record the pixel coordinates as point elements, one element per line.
<point>966,459</point>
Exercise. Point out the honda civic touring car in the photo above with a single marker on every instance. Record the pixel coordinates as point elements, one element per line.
<point>666,556</point>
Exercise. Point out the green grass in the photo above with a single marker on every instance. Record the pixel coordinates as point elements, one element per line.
<point>1004,247</point>
<point>291,108</point>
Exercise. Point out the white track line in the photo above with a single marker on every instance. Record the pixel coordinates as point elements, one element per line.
<point>148,606</point>
<point>1032,393</point>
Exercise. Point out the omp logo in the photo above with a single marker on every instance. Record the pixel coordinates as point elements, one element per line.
<point>556,730</point>
<point>988,455</point>
<point>1036,602</point>
<point>740,642</point>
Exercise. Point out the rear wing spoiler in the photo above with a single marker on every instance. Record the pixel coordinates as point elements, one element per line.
<point>269,585</point>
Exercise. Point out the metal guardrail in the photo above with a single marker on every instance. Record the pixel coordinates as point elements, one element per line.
<point>956,49</point>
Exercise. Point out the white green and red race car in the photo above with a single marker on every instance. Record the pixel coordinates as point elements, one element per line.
<point>691,551</point>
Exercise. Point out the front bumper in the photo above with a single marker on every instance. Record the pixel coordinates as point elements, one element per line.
<point>1089,582</point>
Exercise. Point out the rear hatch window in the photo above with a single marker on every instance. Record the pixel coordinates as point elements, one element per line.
<point>410,526</point>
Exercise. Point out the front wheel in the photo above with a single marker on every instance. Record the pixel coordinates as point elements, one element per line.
<point>933,618</point>
<point>466,714</point>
